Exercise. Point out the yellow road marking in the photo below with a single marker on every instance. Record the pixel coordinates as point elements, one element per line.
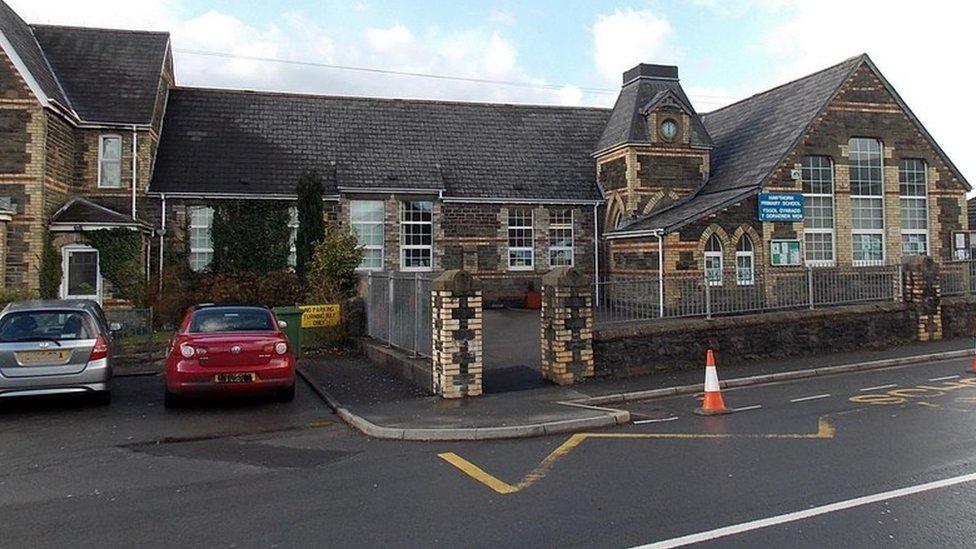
<point>825,430</point>
<point>901,396</point>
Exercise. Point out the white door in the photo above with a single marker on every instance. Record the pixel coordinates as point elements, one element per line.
<point>80,275</point>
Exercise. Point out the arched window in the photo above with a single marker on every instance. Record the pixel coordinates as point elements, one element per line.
<point>713,261</point>
<point>744,261</point>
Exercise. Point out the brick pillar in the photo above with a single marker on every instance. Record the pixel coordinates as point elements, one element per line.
<point>457,345</point>
<point>566,326</point>
<point>922,294</point>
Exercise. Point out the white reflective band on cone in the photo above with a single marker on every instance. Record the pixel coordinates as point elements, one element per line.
<point>711,379</point>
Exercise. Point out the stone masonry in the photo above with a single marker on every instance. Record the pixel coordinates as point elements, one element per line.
<point>922,294</point>
<point>456,349</point>
<point>566,326</point>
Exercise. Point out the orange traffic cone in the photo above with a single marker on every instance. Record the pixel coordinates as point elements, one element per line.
<point>712,404</point>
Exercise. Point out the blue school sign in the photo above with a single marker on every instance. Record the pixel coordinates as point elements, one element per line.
<point>780,207</point>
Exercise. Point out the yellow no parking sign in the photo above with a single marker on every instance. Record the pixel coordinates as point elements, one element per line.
<point>319,316</point>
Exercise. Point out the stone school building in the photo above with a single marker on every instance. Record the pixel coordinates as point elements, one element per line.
<point>96,133</point>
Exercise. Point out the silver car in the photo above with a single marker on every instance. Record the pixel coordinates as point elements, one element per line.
<point>55,347</point>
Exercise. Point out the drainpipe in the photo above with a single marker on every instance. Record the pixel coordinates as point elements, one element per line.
<point>162,236</point>
<point>135,138</point>
<point>596,256</point>
<point>660,272</point>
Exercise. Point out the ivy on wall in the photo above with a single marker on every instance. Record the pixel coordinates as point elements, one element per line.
<point>250,236</point>
<point>120,261</point>
<point>311,227</point>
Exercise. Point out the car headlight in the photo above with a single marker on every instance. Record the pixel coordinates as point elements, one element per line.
<point>281,348</point>
<point>187,351</point>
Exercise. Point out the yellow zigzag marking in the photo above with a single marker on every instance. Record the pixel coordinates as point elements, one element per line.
<point>824,431</point>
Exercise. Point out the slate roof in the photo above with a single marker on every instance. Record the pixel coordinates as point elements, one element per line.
<point>627,123</point>
<point>110,75</point>
<point>752,137</point>
<point>81,211</point>
<point>26,47</point>
<point>219,141</point>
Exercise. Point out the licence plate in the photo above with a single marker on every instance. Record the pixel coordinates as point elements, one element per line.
<point>233,378</point>
<point>53,356</point>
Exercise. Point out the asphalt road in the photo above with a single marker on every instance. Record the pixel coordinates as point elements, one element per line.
<point>254,474</point>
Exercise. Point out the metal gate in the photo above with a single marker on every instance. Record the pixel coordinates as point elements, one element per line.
<point>398,310</point>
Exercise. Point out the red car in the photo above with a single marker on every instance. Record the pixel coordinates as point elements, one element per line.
<point>229,350</point>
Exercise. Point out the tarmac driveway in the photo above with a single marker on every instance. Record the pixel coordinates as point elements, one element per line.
<point>511,350</point>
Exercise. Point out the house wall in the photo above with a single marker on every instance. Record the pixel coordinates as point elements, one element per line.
<point>22,159</point>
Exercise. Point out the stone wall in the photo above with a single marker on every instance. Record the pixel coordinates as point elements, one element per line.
<point>566,326</point>
<point>680,344</point>
<point>457,344</point>
<point>959,317</point>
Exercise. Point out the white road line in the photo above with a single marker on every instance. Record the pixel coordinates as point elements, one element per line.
<point>944,378</point>
<point>746,408</point>
<point>808,513</point>
<point>672,418</point>
<point>878,387</point>
<point>814,397</point>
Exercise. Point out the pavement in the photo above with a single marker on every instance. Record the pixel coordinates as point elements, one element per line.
<point>381,405</point>
<point>868,459</point>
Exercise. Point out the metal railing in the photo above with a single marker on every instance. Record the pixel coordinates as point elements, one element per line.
<point>958,277</point>
<point>690,295</point>
<point>398,310</point>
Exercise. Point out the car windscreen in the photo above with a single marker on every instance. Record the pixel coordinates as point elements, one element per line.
<point>231,320</point>
<point>46,326</point>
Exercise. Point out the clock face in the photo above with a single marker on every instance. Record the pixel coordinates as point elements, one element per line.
<point>669,129</point>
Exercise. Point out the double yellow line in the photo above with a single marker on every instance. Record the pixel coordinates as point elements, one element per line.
<point>825,430</point>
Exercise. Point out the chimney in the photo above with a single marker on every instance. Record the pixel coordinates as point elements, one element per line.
<point>646,70</point>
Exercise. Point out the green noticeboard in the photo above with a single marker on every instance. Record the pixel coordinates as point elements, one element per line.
<point>784,252</point>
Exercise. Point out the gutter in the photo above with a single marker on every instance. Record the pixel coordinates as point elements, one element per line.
<point>135,179</point>
<point>554,201</point>
<point>162,239</point>
<point>234,196</point>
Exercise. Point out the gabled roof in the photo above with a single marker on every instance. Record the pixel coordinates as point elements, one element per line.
<point>25,46</point>
<point>753,136</point>
<point>627,123</point>
<point>81,211</point>
<point>229,142</point>
<point>110,75</point>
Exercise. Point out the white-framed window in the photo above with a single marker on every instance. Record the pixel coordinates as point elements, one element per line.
<point>818,210</point>
<point>745,273</point>
<point>366,219</point>
<point>913,194</point>
<point>110,162</point>
<point>201,241</point>
<point>867,201</point>
<point>416,235</point>
<point>713,261</point>
<point>81,276</point>
<point>292,236</point>
<point>561,238</point>
<point>520,252</point>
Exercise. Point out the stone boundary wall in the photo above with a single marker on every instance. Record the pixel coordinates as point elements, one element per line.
<point>668,345</point>
<point>958,316</point>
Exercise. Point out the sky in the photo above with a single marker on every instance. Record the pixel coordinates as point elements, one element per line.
<point>570,52</point>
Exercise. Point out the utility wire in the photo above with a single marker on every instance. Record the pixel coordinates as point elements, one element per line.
<point>529,85</point>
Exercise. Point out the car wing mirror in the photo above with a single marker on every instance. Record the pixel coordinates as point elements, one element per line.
<point>114,327</point>
<point>282,324</point>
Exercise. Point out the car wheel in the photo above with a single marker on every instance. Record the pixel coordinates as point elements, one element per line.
<point>102,398</point>
<point>171,400</point>
<point>286,395</point>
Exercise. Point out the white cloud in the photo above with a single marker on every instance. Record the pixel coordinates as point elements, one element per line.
<point>922,52</point>
<point>502,17</point>
<point>479,51</point>
<point>628,37</point>
<point>389,40</point>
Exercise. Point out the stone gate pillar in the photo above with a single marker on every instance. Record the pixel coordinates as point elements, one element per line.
<point>456,349</point>
<point>566,326</point>
<point>922,293</point>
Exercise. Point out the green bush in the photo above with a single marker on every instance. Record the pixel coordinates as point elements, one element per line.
<point>331,275</point>
<point>50,271</point>
<point>250,236</point>
<point>8,295</point>
<point>311,224</point>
